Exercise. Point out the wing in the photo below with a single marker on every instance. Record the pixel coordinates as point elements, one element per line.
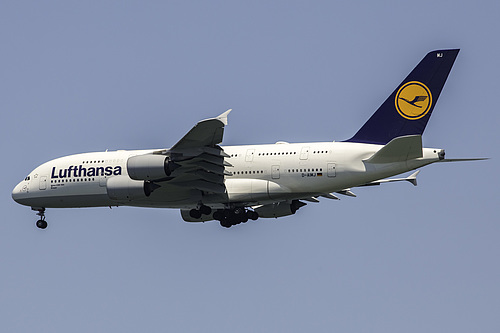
<point>207,133</point>
<point>197,160</point>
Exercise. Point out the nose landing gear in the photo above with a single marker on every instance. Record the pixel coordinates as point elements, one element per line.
<point>41,223</point>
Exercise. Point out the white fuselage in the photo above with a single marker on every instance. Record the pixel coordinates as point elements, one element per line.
<point>260,174</point>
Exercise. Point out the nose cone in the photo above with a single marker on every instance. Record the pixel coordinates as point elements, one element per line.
<point>20,193</point>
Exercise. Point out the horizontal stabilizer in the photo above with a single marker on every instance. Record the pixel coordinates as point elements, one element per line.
<point>400,149</point>
<point>462,159</point>
<point>412,179</point>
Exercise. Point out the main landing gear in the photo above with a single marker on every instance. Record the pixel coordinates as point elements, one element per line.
<point>197,213</point>
<point>41,223</point>
<point>227,217</point>
<point>230,217</point>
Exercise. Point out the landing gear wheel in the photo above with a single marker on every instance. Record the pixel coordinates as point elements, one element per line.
<point>253,215</point>
<point>226,223</point>
<point>233,216</point>
<point>218,215</point>
<point>42,224</point>
<point>238,211</point>
<point>194,213</point>
<point>205,210</point>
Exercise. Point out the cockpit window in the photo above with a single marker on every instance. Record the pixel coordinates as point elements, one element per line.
<point>27,178</point>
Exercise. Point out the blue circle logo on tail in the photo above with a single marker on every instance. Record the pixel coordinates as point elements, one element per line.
<point>413,100</point>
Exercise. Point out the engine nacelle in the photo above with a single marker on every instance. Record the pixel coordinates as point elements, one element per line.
<point>149,167</point>
<point>122,188</point>
<point>279,209</point>
<point>188,218</point>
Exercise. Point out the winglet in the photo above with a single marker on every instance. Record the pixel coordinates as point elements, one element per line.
<point>223,117</point>
<point>205,133</point>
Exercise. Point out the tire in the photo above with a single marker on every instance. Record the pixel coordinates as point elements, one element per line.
<point>205,210</point>
<point>218,215</point>
<point>226,223</point>
<point>253,215</point>
<point>41,224</point>
<point>195,214</point>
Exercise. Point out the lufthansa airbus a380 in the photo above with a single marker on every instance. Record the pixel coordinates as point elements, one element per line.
<point>232,184</point>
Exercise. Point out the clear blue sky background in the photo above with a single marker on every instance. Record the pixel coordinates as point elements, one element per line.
<point>78,77</point>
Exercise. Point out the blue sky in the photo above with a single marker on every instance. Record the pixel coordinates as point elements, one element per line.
<point>79,77</point>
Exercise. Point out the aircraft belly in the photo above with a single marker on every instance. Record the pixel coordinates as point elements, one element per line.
<point>168,197</point>
<point>68,201</point>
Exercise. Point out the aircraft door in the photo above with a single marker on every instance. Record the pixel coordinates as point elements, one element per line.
<point>331,170</point>
<point>249,156</point>
<point>304,153</point>
<point>103,180</point>
<point>275,172</point>
<point>43,182</point>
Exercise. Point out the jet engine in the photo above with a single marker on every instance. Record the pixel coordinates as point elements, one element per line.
<point>150,167</point>
<point>188,218</point>
<point>279,209</point>
<point>122,188</point>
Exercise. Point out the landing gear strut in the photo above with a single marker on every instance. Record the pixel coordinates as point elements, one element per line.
<point>41,223</point>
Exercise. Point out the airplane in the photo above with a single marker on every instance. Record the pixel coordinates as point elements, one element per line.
<point>234,184</point>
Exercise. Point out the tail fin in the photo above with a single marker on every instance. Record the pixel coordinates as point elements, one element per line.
<point>408,109</point>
